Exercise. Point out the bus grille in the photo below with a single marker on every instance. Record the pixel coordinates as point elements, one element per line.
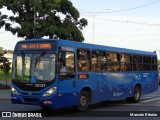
<point>26,94</point>
<point>30,99</point>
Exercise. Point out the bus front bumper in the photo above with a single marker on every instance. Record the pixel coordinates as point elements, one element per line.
<point>32,100</point>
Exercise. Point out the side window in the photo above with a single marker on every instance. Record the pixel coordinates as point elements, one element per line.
<point>154,64</point>
<point>19,66</point>
<point>113,61</point>
<point>83,59</point>
<point>99,61</point>
<point>146,63</point>
<point>137,63</point>
<point>66,65</point>
<point>126,62</point>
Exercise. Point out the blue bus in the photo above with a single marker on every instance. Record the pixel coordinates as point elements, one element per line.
<point>54,73</point>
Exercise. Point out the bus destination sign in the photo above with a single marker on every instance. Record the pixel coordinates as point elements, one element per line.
<point>37,46</point>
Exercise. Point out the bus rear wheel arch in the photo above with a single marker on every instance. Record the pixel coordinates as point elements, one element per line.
<point>136,95</point>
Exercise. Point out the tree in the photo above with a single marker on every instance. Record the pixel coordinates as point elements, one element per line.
<point>4,64</point>
<point>58,17</point>
<point>158,62</point>
<point>1,50</point>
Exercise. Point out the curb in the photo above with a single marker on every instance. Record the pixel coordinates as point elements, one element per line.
<point>5,94</point>
<point>5,98</point>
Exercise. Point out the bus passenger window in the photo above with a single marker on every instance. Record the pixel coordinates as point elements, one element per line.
<point>99,61</point>
<point>154,64</point>
<point>83,58</point>
<point>137,63</point>
<point>113,61</point>
<point>126,62</point>
<point>146,63</point>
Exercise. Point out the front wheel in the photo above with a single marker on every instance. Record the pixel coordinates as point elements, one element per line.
<point>83,101</point>
<point>136,96</point>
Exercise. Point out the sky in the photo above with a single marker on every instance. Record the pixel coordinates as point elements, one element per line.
<point>133,24</point>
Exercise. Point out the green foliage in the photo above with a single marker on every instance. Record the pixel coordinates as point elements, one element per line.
<point>1,50</point>
<point>158,62</point>
<point>4,64</point>
<point>3,77</point>
<point>49,20</point>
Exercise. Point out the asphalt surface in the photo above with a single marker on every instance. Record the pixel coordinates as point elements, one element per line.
<point>149,102</point>
<point>120,109</point>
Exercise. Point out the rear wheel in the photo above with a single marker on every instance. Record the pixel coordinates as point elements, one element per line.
<point>83,101</point>
<point>137,95</point>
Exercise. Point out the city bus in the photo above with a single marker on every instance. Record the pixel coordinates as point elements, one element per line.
<point>54,73</point>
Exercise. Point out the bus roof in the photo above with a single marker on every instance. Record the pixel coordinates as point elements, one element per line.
<point>74,44</point>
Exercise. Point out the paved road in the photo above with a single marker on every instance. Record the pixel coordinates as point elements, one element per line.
<point>149,104</point>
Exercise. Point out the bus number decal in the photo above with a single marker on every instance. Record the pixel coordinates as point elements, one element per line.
<point>40,85</point>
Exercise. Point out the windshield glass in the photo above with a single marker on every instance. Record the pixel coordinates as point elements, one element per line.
<point>34,68</point>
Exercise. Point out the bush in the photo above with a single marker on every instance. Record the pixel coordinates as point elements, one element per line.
<point>2,75</point>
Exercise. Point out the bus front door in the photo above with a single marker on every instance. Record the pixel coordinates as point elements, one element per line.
<point>67,83</point>
<point>67,92</point>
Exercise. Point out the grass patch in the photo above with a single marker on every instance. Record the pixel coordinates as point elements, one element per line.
<point>2,76</point>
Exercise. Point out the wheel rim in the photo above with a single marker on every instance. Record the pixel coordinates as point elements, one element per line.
<point>137,94</point>
<point>83,101</point>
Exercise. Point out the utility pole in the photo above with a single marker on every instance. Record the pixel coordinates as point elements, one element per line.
<point>93,15</point>
<point>93,28</point>
<point>34,20</point>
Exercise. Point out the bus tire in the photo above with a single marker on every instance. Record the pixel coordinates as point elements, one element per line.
<point>136,96</point>
<point>83,102</point>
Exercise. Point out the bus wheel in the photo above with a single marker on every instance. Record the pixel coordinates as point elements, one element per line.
<point>83,101</point>
<point>136,97</point>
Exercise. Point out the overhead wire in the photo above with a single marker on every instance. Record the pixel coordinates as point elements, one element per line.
<point>126,21</point>
<point>128,9</point>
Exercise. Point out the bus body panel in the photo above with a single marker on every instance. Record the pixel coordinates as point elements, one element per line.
<point>150,83</point>
<point>120,85</point>
<point>104,86</point>
<point>97,82</point>
<point>67,93</point>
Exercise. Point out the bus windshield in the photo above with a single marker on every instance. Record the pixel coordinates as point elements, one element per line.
<point>34,68</point>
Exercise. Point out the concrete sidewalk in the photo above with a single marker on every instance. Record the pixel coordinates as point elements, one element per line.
<point>5,94</point>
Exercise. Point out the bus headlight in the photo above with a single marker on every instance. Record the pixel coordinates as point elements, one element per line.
<point>50,92</point>
<point>14,91</point>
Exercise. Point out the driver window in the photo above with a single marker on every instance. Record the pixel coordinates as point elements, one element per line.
<point>66,65</point>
